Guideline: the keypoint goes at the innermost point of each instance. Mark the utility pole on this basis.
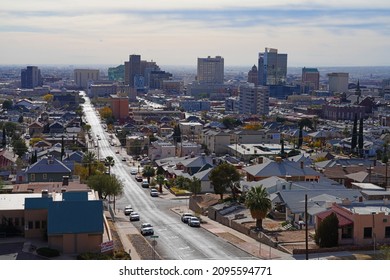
(306, 230)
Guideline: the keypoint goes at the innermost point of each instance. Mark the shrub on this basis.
(48, 252)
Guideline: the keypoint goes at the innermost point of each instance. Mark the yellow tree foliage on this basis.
(253, 126)
(48, 97)
(34, 140)
(105, 112)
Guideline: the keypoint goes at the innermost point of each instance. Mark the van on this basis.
(145, 183)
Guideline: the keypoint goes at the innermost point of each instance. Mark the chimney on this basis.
(346, 201)
(278, 159)
(360, 199)
(65, 180)
(260, 160)
(301, 164)
(45, 193)
(385, 201)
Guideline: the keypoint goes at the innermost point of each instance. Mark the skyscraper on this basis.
(253, 76)
(31, 77)
(210, 70)
(311, 78)
(132, 69)
(338, 82)
(272, 67)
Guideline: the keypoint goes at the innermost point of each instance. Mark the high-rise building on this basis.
(120, 107)
(253, 99)
(272, 67)
(253, 76)
(210, 70)
(338, 82)
(84, 77)
(31, 77)
(311, 78)
(132, 69)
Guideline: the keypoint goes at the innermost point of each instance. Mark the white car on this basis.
(193, 222)
(154, 193)
(134, 216)
(185, 217)
(147, 229)
(128, 209)
(133, 171)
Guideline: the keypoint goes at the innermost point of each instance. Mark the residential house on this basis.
(288, 170)
(48, 169)
(35, 129)
(360, 223)
(56, 128)
(7, 159)
(161, 149)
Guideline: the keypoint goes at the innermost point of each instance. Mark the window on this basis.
(32, 177)
(16, 222)
(37, 224)
(367, 232)
(387, 232)
(346, 232)
(30, 225)
(44, 224)
(44, 176)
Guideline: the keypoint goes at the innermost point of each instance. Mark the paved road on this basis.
(176, 240)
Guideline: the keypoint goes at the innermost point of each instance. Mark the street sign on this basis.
(107, 246)
(154, 236)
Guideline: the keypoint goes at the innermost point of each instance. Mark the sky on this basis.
(314, 33)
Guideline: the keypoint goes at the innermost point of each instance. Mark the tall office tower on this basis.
(146, 68)
(253, 76)
(253, 99)
(338, 82)
(84, 77)
(311, 78)
(272, 67)
(133, 70)
(31, 77)
(210, 70)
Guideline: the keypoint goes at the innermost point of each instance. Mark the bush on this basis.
(117, 255)
(48, 252)
(327, 232)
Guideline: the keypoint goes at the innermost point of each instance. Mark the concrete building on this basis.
(342, 112)
(338, 82)
(311, 78)
(84, 77)
(191, 130)
(272, 67)
(132, 69)
(210, 70)
(195, 105)
(253, 76)
(31, 77)
(253, 99)
(160, 149)
(120, 107)
(186, 148)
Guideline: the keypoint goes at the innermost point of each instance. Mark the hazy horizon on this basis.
(314, 33)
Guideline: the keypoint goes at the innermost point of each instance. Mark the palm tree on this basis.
(259, 204)
(89, 159)
(160, 179)
(110, 162)
(194, 186)
(148, 172)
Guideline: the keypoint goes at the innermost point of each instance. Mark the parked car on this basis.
(128, 209)
(133, 172)
(193, 222)
(154, 193)
(145, 183)
(139, 177)
(134, 216)
(147, 229)
(145, 162)
(185, 217)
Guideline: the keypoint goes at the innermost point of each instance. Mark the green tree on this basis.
(19, 147)
(360, 138)
(7, 104)
(327, 232)
(160, 179)
(223, 177)
(21, 119)
(181, 182)
(109, 162)
(259, 204)
(176, 134)
(194, 186)
(148, 172)
(105, 185)
(89, 160)
(354, 135)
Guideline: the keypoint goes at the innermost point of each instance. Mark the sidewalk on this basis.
(238, 239)
(124, 228)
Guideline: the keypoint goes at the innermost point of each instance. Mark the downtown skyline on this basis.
(171, 32)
